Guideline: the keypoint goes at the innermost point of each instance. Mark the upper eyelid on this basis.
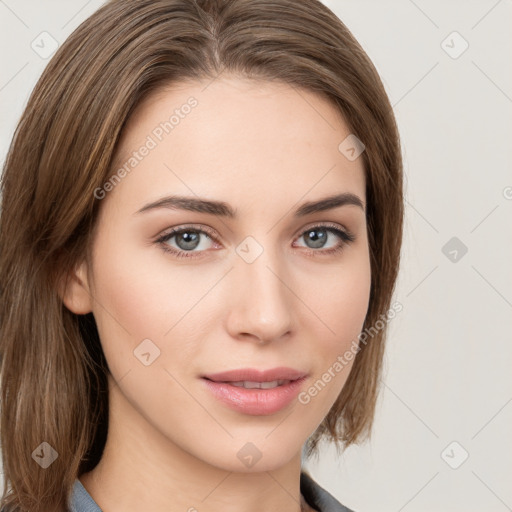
(212, 232)
(172, 231)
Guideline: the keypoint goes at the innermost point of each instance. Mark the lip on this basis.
(255, 375)
(257, 402)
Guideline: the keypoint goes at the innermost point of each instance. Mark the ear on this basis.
(74, 290)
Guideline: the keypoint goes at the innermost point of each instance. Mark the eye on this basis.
(190, 238)
(187, 239)
(316, 237)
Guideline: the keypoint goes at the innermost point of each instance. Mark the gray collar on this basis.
(315, 496)
(319, 498)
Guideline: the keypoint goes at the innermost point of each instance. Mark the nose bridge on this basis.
(261, 303)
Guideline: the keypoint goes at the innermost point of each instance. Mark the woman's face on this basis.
(253, 281)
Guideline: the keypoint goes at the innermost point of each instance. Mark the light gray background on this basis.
(448, 361)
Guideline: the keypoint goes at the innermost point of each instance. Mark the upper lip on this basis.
(255, 375)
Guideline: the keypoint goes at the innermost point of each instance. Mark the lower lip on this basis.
(255, 401)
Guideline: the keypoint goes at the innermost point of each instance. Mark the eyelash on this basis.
(345, 236)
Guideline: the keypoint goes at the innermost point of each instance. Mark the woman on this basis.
(201, 223)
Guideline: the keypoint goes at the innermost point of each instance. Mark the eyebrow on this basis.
(222, 209)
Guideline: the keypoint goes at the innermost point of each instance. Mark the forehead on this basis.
(258, 139)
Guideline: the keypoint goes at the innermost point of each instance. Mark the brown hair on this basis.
(53, 371)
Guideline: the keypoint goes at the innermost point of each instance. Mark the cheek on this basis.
(341, 299)
(349, 304)
(140, 296)
(342, 305)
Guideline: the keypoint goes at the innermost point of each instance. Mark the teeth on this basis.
(259, 385)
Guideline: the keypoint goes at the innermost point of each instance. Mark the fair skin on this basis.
(265, 150)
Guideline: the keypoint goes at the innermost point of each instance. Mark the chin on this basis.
(246, 456)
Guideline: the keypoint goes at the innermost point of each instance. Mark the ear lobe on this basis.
(74, 291)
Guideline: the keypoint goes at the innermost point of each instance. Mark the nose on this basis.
(261, 301)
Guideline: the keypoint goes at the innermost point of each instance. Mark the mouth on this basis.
(256, 392)
(247, 384)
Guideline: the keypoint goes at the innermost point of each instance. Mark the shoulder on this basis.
(319, 498)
